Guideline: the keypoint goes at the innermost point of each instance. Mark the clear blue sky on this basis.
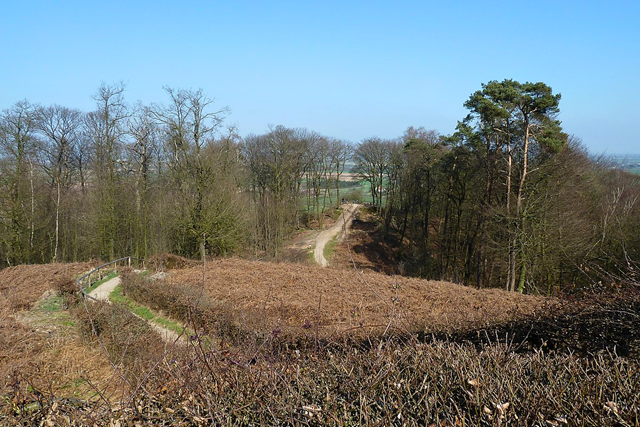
(348, 69)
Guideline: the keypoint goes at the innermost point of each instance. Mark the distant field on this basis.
(351, 189)
(628, 162)
(349, 176)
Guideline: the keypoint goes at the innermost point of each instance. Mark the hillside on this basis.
(300, 297)
(64, 362)
(21, 286)
(41, 349)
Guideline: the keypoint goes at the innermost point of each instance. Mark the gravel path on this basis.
(103, 291)
(348, 210)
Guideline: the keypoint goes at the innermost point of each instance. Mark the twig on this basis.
(318, 322)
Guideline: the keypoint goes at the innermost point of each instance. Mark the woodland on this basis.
(509, 200)
(147, 272)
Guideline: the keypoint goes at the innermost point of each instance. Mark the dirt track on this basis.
(348, 210)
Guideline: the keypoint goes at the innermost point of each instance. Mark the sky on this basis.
(346, 69)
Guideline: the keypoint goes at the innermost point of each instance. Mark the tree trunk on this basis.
(55, 249)
(519, 218)
(33, 211)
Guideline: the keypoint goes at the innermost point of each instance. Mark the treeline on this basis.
(509, 200)
(143, 179)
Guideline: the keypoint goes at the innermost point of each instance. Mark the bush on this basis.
(128, 339)
(388, 383)
(67, 289)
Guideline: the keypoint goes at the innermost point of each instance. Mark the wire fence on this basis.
(98, 273)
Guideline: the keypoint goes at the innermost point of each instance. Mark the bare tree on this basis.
(341, 153)
(189, 124)
(142, 149)
(59, 127)
(17, 152)
(372, 158)
(318, 173)
(106, 126)
(277, 162)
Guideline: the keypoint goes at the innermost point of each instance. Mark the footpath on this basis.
(102, 293)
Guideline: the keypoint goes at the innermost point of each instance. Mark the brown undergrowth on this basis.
(367, 246)
(390, 383)
(42, 354)
(301, 299)
(21, 286)
(395, 378)
(165, 261)
(584, 326)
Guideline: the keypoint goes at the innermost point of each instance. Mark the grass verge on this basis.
(144, 312)
(329, 248)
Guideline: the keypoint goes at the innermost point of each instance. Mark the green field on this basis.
(353, 191)
(628, 162)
